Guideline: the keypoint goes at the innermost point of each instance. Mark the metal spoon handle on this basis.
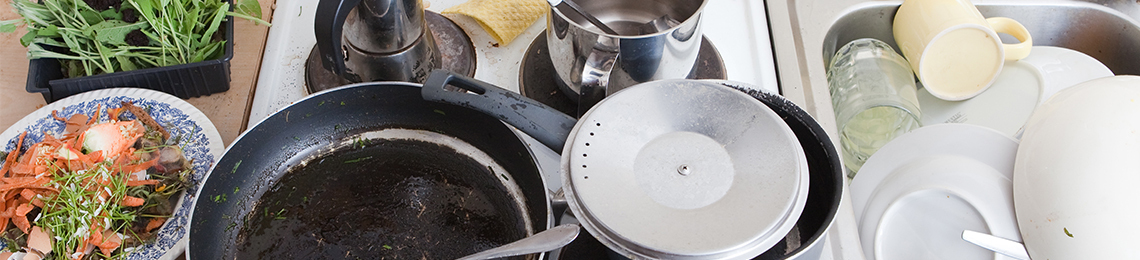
(589, 17)
(548, 240)
(999, 245)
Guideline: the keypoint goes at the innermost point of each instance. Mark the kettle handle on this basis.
(329, 26)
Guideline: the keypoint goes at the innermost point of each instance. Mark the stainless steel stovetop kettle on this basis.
(375, 40)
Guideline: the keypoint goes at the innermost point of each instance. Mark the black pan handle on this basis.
(545, 124)
(329, 26)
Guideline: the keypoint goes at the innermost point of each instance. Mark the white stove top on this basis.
(737, 28)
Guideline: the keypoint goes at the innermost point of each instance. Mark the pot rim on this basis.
(690, 21)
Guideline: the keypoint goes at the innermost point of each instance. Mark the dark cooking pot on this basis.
(367, 209)
(825, 191)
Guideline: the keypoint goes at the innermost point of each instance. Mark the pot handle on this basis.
(596, 73)
(329, 26)
(545, 124)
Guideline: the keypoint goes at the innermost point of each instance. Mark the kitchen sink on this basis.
(806, 33)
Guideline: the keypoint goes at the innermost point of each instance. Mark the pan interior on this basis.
(393, 193)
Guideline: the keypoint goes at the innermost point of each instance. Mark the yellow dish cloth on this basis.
(503, 19)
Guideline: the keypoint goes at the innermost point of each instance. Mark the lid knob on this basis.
(684, 170)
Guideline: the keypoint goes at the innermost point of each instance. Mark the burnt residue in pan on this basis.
(382, 199)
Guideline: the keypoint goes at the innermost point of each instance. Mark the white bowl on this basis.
(1077, 170)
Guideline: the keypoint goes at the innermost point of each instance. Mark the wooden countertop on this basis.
(227, 110)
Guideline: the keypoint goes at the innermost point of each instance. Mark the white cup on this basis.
(956, 52)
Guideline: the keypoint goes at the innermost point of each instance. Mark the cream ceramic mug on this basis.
(956, 52)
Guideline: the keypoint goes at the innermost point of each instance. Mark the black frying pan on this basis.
(243, 203)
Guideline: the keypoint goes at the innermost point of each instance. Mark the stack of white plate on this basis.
(916, 195)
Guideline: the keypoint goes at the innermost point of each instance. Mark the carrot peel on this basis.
(22, 223)
(12, 155)
(154, 224)
(23, 209)
(130, 201)
(109, 243)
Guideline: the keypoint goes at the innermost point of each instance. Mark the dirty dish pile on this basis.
(955, 53)
(917, 194)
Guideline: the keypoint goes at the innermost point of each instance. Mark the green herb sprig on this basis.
(75, 209)
(90, 42)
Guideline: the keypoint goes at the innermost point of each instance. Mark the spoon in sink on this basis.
(999, 245)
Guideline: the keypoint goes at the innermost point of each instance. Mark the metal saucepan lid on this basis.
(673, 169)
(682, 168)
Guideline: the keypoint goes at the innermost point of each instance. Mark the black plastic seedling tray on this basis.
(184, 81)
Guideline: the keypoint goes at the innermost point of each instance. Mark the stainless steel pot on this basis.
(657, 39)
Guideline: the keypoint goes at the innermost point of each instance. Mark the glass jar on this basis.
(873, 93)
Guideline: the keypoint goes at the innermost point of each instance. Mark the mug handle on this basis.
(1005, 25)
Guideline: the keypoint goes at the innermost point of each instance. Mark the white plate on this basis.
(1016, 91)
(913, 197)
(202, 144)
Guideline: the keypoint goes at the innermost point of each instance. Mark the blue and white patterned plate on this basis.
(200, 142)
